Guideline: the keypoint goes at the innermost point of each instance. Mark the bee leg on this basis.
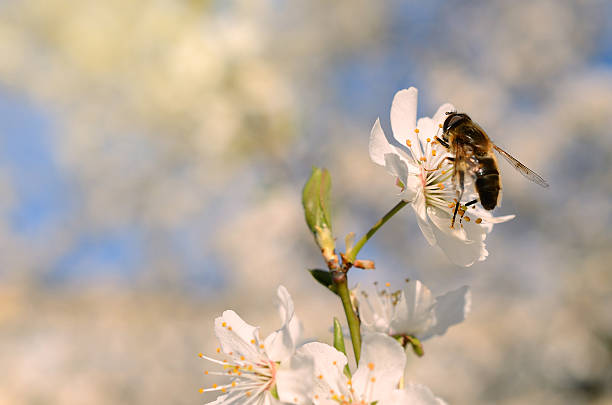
(455, 215)
(460, 176)
(442, 142)
(471, 203)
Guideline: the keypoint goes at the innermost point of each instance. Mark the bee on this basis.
(473, 154)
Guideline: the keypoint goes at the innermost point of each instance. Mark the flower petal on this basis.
(374, 315)
(295, 380)
(413, 394)
(415, 310)
(426, 131)
(280, 345)
(397, 167)
(380, 367)
(328, 365)
(379, 146)
(451, 309)
(403, 119)
(455, 243)
(236, 336)
(420, 209)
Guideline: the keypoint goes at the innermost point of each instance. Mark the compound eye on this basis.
(452, 120)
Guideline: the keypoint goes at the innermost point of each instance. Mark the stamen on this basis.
(416, 130)
(478, 220)
(428, 140)
(434, 152)
(467, 219)
(408, 143)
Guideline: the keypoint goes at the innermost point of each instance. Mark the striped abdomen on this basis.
(487, 181)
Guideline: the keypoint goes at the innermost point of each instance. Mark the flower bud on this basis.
(315, 199)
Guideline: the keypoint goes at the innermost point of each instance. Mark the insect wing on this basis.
(522, 169)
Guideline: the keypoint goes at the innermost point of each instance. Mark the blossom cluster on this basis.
(384, 324)
(278, 370)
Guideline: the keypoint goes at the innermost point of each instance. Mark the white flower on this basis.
(412, 311)
(376, 379)
(256, 366)
(418, 163)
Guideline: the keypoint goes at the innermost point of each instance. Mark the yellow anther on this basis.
(371, 366)
(387, 284)
(200, 354)
(242, 358)
(233, 383)
(440, 125)
(218, 350)
(408, 143)
(229, 328)
(428, 139)
(248, 393)
(214, 385)
(320, 377)
(224, 324)
(441, 187)
(466, 218)
(423, 158)
(478, 220)
(434, 153)
(201, 390)
(416, 130)
(223, 389)
(460, 212)
(373, 379)
(443, 172)
(334, 362)
(252, 341)
(205, 372)
(261, 346)
(451, 205)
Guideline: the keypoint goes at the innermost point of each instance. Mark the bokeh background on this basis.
(152, 155)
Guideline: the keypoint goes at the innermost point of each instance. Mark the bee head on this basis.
(454, 118)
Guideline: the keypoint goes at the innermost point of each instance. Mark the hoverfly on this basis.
(473, 154)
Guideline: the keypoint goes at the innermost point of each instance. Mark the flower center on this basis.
(251, 374)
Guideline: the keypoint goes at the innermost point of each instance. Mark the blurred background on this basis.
(152, 155)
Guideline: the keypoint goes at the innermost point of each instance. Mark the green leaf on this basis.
(339, 343)
(324, 278)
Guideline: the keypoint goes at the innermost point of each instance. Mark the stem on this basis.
(352, 254)
(351, 316)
